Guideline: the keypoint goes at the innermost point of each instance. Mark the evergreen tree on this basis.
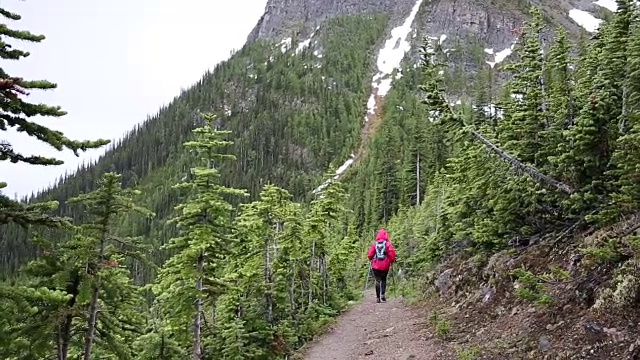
(626, 158)
(114, 302)
(193, 274)
(319, 226)
(525, 116)
(155, 343)
(589, 150)
(561, 102)
(83, 275)
(613, 63)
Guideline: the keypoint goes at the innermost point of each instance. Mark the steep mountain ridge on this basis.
(281, 17)
(485, 19)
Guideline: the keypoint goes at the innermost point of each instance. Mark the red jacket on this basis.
(385, 264)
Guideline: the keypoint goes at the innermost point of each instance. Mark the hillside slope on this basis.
(292, 109)
(511, 265)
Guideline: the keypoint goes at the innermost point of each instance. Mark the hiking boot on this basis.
(377, 300)
(384, 298)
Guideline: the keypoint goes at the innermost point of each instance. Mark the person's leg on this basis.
(378, 275)
(383, 284)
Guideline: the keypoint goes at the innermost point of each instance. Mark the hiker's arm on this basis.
(392, 253)
(372, 251)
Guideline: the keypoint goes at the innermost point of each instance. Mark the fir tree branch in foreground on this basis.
(14, 111)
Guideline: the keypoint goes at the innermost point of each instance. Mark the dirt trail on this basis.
(389, 331)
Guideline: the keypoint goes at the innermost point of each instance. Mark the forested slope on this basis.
(539, 193)
(292, 113)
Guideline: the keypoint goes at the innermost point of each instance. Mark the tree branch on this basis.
(521, 167)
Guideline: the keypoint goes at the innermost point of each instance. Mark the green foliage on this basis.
(531, 287)
(468, 353)
(76, 299)
(14, 109)
(194, 272)
(257, 280)
(561, 117)
(441, 325)
(15, 112)
(608, 252)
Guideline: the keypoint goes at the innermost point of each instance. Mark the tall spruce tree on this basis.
(525, 116)
(561, 102)
(190, 280)
(626, 158)
(101, 251)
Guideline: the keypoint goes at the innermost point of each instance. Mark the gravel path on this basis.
(390, 330)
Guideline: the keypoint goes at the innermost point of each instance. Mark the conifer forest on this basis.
(199, 233)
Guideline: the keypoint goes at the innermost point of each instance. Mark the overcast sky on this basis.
(115, 62)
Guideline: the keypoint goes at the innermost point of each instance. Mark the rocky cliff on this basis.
(493, 24)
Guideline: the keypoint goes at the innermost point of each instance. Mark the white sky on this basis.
(114, 62)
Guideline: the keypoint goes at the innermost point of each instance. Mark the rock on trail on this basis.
(390, 330)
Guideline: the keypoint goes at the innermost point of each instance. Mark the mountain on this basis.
(335, 92)
(306, 75)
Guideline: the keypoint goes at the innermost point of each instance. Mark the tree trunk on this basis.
(93, 319)
(292, 297)
(95, 294)
(64, 331)
(197, 322)
(418, 178)
(325, 280)
(534, 173)
(313, 255)
(268, 296)
(161, 356)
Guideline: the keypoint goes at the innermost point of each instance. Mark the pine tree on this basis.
(388, 192)
(83, 275)
(193, 274)
(236, 343)
(525, 116)
(561, 102)
(156, 342)
(14, 113)
(113, 298)
(626, 158)
(589, 143)
(323, 212)
(613, 64)
(292, 267)
(30, 321)
(265, 220)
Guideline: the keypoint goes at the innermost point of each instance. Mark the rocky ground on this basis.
(548, 299)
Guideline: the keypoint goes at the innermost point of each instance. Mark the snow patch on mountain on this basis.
(584, 19)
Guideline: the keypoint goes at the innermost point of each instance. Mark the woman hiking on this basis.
(382, 254)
